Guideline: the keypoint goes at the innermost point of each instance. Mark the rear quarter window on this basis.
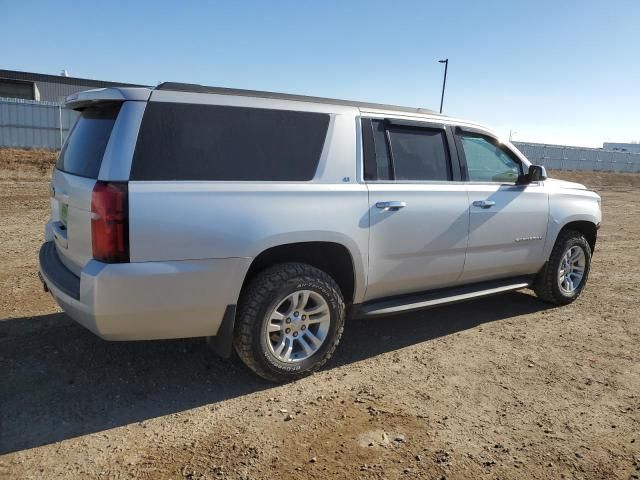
(209, 142)
(83, 151)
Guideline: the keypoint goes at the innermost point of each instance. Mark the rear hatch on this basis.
(73, 181)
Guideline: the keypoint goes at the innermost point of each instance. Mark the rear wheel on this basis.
(564, 276)
(290, 320)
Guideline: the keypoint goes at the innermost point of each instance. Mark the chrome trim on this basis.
(393, 205)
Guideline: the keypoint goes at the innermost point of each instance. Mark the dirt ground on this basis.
(504, 387)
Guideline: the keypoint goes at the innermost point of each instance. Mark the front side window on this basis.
(488, 162)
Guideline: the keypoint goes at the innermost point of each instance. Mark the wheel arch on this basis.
(333, 258)
(343, 263)
(586, 227)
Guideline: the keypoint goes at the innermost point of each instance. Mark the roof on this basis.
(194, 88)
(41, 77)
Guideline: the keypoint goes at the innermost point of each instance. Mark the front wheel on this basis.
(564, 276)
(290, 320)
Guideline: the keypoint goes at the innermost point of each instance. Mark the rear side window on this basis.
(376, 152)
(210, 142)
(419, 154)
(82, 153)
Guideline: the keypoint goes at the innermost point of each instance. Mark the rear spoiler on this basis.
(88, 97)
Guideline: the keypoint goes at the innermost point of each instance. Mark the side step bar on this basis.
(433, 298)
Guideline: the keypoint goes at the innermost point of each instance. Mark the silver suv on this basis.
(261, 221)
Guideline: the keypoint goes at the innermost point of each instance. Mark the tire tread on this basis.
(545, 285)
(260, 291)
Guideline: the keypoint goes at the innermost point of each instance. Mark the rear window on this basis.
(82, 153)
(210, 142)
(419, 154)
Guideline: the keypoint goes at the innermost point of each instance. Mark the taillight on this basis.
(110, 222)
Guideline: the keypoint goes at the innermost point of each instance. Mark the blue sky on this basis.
(560, 71)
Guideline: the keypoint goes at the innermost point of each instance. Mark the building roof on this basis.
(194, 88)
(41, 77)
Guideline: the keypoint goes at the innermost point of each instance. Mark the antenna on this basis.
(444, 82)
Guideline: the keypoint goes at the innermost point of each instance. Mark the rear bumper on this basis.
(64, 279)
(147, 300)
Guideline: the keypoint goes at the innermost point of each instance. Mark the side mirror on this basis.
(536, 173)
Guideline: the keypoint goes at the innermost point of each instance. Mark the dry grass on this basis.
(17, 163)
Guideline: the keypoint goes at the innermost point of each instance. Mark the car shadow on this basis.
(365, 338)
(59, 381)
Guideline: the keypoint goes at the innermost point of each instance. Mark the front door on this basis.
(418, 214)
(508, 222)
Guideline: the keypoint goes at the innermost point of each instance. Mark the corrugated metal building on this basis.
(48, 88)
(32, 114)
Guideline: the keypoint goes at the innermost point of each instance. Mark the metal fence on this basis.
(33, 124)
(577, 158)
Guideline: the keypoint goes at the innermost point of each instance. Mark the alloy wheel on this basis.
(298, 326)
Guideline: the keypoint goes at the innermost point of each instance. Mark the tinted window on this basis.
(368, 150)
(383, 160)
(205, 142)
(419, 154)
(83, 151)
(377, 162)
(487, 162)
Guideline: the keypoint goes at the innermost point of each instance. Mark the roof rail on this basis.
(195, 88)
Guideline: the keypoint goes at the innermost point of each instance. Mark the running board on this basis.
(407, 303)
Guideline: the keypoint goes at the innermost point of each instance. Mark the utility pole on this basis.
(444, 82)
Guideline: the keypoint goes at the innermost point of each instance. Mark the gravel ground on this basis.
(505, 387)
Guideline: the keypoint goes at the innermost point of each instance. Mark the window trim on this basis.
(460, 131)
(454, 168)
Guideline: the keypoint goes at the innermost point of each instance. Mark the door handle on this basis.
(393, 206)
(484, 203)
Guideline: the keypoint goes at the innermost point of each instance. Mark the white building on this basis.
(621, 147)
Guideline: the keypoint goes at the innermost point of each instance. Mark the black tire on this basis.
(261, 296)
(547, 286)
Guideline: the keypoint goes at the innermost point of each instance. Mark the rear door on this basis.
(418, 207)
(508, 222)
(74, 177)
